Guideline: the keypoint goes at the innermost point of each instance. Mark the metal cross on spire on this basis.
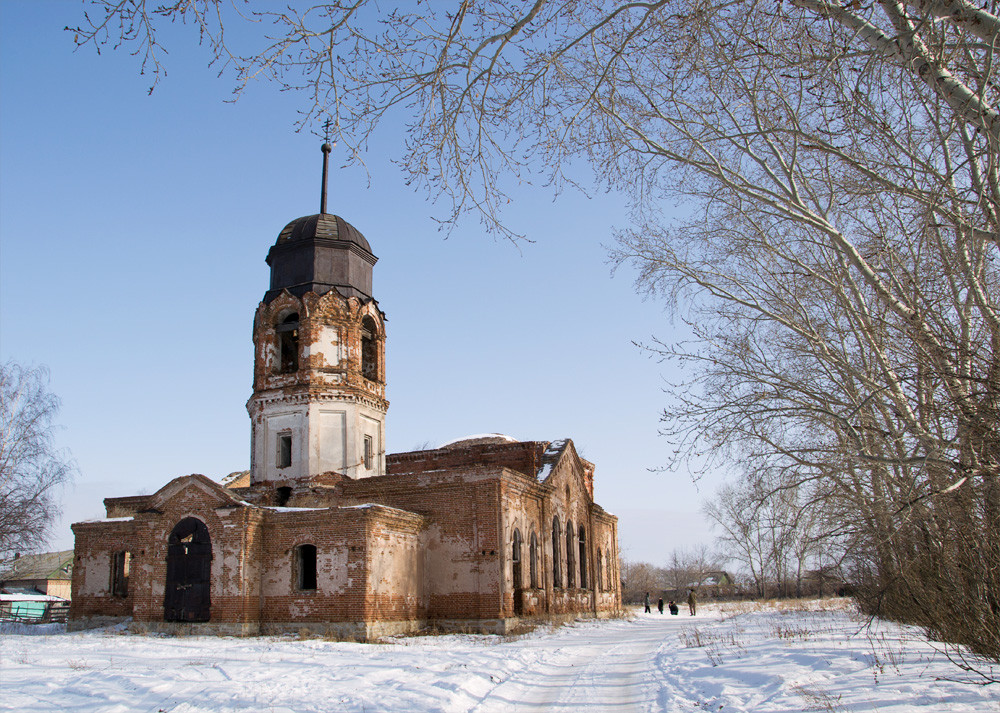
(326, 149)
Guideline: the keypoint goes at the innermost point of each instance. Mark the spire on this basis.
(326, 149)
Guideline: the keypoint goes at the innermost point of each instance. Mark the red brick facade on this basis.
(327, 532)
(432, 543)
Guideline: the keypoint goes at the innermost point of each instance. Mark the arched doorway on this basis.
(189, 572)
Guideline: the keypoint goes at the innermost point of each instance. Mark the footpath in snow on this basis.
(729, 659)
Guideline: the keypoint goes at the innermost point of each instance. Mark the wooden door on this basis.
(189, 572)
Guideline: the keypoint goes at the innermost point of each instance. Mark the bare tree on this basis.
(31, 467)
(836, 257)
(639, 578)
(687, 568)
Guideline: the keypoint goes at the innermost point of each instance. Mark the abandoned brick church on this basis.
(326, 532)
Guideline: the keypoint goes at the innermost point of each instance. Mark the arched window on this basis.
(305, 567)
(288, 344)
(582, 541)
(515, 558)
(600, 572)
(369, 349)
(556, 547)
(570, 556)
(533, 561)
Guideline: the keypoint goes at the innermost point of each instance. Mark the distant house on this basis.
(714, 585)
(48, 573)
(36, 588)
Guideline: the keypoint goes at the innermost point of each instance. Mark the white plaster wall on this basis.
(327, 345)
(327, 445)
(96, 574)
(331, 572)
(449, 568)
(265, 443)
(325, 436)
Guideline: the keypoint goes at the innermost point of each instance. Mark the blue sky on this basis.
(133, 231)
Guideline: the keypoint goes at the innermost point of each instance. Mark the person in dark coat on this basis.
(674, 609)
(692, 602)
(647, 603)
(659, 605)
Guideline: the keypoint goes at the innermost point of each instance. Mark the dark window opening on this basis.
(282, 495)
(305, 556)
(120, 562)
(582, 539)
(288, 344)
(369, 349)
(556, 544)
(369, 452)
(570, 556)
(515, 558)
(600, 572)
(284, 450)
(533, 562)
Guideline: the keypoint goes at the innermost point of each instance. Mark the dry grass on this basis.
(818, 700)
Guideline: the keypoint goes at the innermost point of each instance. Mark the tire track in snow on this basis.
(615, 669)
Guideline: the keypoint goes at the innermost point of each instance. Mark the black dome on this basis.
(322, 225)
(317, 253)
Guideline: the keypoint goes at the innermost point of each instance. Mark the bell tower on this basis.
(318, 402)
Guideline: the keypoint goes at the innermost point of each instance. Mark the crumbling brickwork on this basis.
(327, 533)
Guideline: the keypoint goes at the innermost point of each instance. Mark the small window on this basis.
(120, 562)
(288, 344)
(369, 349)
(284, 449)
(369, 452)
(305, 561)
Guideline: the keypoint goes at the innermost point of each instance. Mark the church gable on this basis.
(191, 492)
(562, 468)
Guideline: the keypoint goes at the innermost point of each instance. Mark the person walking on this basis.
(692, 602)
(659, 605)
(647, 603)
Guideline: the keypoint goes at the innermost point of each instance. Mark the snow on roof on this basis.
(46, 565)
(478, 439)
(111, 519)
(549, 458)
(30, 598)
(283, 508)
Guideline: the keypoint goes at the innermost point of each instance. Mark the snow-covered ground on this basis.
(728, 659)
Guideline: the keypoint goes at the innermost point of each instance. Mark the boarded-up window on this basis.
(120, 562)
(305, 565)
